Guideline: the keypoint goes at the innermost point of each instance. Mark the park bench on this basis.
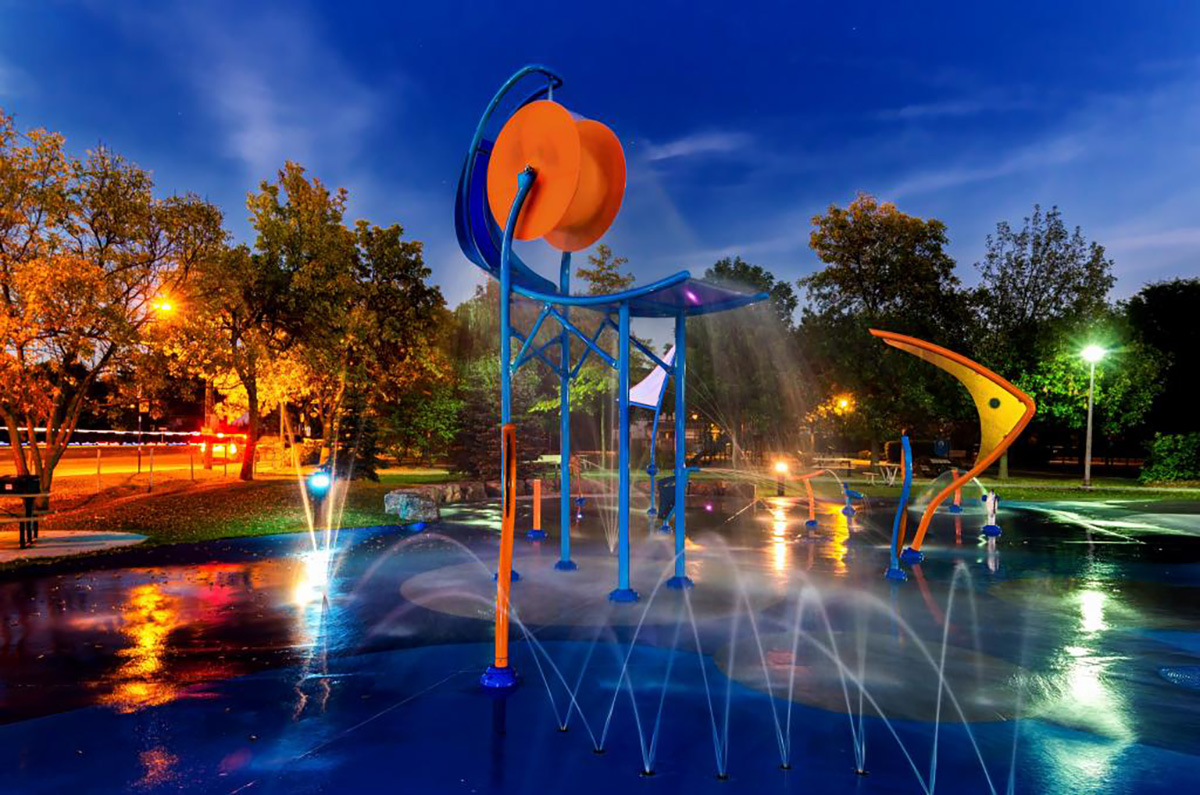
(26, 488)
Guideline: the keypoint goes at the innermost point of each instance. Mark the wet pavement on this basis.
(1070, 651)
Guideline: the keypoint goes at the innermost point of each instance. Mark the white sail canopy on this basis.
(648, 393)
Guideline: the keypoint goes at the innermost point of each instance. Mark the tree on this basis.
(422, 421)
(357, 454)
(883, 268)
(879, 263)
(736, 272)
(476, 449)
(1161, 315)
(604, 275)
(85, 250)
(1036, 284)
(743, 371)
(1127, 381)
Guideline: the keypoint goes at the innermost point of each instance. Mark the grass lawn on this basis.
(224, 509)
(181, 511)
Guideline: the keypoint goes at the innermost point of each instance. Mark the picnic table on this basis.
(26, 488)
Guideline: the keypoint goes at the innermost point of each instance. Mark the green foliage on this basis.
(357, 453)
(736, 272)
(476, 448)
(604, 275)
(884, 269)
(743, 367)
(593, 385)
(1161, 314)
(1173, 457)
(1127, 381)
(879, 262)
(1036, 285)
(422, 422)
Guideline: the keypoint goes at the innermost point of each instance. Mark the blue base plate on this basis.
(499, 678)
(991, 530)
(623, 595)
(910, 555)
(536, 535)
(681, 583)
(566, 565)
(895, 574)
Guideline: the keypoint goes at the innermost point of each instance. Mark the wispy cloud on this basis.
(706, 143)
(275, 87)
(1054, 152)
(952, 108)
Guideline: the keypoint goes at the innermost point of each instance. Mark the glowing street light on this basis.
(1091, 354)
(781, 470)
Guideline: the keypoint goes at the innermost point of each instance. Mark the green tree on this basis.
(476, 448)
(886, 269)
(604, 274)
(1037, 284)
(422, 421)
(736, 272)
(1128, 379)
(743, 369)
(1161, 315)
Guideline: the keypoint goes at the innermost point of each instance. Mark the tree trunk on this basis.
(247, 472)
(14, 441)
(209, 421)
(1004, 465)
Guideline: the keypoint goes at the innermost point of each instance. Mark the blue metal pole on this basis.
(652, 470)
(623, 591)
(564, 391)
(524, 182)
(680, 580)
(894, 572)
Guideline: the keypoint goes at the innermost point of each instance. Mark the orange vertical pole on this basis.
(957, 492)
(537, 504)
(904, 515)
(508, 516)
(812, 507)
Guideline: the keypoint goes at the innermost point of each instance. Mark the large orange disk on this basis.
(580, 175)
(543, 135)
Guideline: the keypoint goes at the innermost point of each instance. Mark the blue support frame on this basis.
(680, 580)
(564, 396)
(678, 296)
(623, 592)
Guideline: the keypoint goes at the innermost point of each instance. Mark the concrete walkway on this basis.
(60, 543)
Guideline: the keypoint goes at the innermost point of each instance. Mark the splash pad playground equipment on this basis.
(552, 175)
(1004, 411)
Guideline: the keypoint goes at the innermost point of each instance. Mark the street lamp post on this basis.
(1091, 354)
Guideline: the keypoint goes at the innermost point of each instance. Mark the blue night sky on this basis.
(739, 120)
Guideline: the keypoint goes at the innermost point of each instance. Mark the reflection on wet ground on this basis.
(1081, 622)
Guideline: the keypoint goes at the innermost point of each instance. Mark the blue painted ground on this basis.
(225, 669)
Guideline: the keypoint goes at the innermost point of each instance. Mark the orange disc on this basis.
(599, 193)
(543, 135)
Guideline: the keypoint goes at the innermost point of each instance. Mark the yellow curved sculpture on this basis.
(1004, 410)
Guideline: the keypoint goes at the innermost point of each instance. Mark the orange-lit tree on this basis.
(86, 249)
